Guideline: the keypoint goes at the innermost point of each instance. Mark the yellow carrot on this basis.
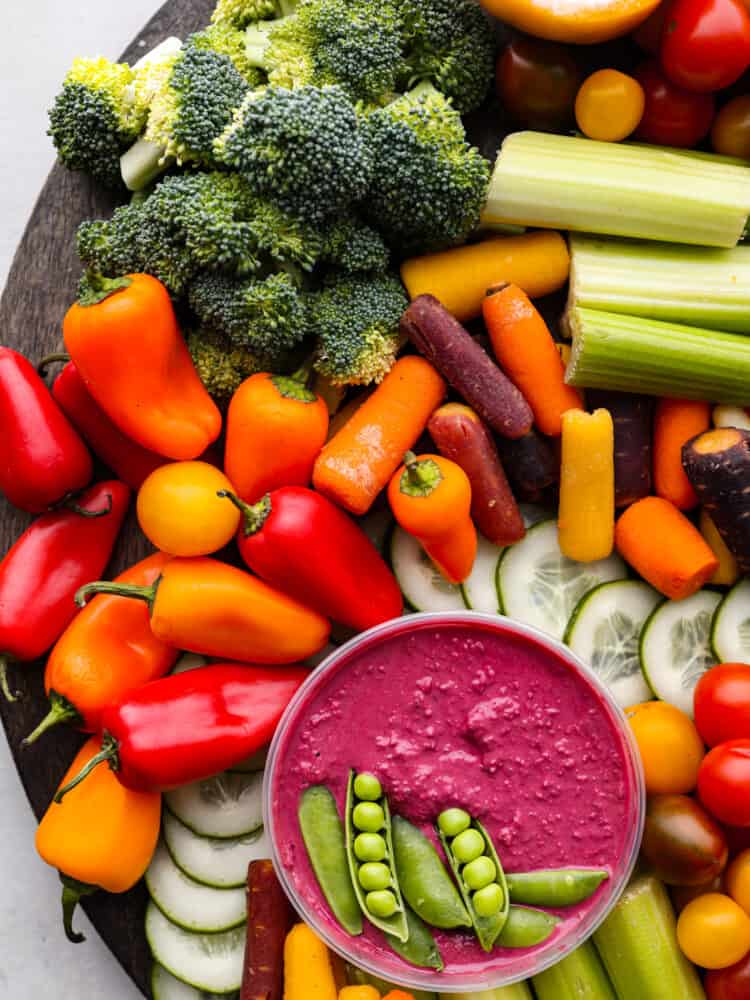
(728, 571)
(537, 262)
(359, 993)
(587, 485)
(308, 971)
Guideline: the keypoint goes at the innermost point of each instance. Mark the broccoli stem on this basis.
(258, 41)
(142, 164)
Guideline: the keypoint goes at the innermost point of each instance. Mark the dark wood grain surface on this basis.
(40, 287)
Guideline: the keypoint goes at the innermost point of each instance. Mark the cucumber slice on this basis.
(730, 631)
(210, 962)
(421, 584)
(228, 805)
(540, 586)
(480, 589)
(164, 986)
(605, 632)
(190, 905)
(676, 649)
(189, 661)
(221, 864)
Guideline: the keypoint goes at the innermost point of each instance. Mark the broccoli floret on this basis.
(357, 322)
(303, 149)
(354, 43)
(450, 43)
(222, 366)
(240, 13)
(95, 117)
(353, 247)
(267, 315)
(226, 40)
(429, 185)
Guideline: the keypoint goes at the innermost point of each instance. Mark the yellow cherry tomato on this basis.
(730, 133)
(609, 105)
(714, 931)
(737, 880)
(180, 513)
(671, 749)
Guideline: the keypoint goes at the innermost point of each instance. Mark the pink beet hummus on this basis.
(472, 714)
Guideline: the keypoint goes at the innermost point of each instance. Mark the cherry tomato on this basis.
(714, 931)
(609, 105)
(648, 35)
(672, 117)
(722, 703)
(732, 983)
(684, 894)
(706, 44)
(730, 134)
(737, 880)
(724, 782)
(738, 838)
(537, 82)
(670, 748)
(682, 842)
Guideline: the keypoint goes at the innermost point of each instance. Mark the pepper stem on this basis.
(73, 892)
(51, 359)
(421, 477)
(109, 754)
(296, 386)
(255, 515)
(147, 594)
(70, 504)
(95, 288)
(4, 682)
(61, 710)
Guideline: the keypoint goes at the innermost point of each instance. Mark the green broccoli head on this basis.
(95, 117)
(357, 322)
(224, 39)
(265, 315)
(221, 365)
(353, 247)
(303, 149)
(240, 13)
(450, 43)
(428, 185)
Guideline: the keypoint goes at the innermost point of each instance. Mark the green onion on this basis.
(697, 286)
(566, 182)
(579, 976)
(631, 354)
(638, 945)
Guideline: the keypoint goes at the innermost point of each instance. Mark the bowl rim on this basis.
(428, 979)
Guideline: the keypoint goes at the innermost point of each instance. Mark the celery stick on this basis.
(631, 354)
(567, 182)
(638, 945)
(518, 991)
(579, 976)
(696, 286)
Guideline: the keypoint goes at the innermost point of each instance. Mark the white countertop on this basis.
(38, 41)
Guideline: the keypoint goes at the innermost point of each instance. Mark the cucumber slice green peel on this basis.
(164, 986)
(479, 591)
(730, 629)
(221, 864)
(224, 807)
(422, 585)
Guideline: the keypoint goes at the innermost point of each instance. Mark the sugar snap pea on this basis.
(384, 908)
(421, 948)
(557, 887)
(426, 885)
(323, 834)
(526, 927)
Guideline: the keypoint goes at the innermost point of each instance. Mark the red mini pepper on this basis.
(301, 543)
(42, 458)
(41, 573)
(189, 726)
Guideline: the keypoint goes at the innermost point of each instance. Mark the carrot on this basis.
(676, 422)
(462, 437)
(359, 993)
(728, 572)
(537, 262)
(666, 549)
(531, 464)
(587, 486)
(308, 974)
(269, 917)
(358, 462)
(398, 995)
(430, 497)
(632, 417)
(527, 352)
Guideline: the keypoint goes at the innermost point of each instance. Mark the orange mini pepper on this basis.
(123, 337)
(102, 836)
(209, 607)
(106, 652)
(430, 497)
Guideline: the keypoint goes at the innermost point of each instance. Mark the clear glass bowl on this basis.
(529, 962)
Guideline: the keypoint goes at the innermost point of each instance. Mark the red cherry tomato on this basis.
(537, 82)
(672, 117)
(706, 44)
(732, 983)
(724, 782)
(722, 703)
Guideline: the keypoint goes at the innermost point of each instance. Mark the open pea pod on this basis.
(394, 925)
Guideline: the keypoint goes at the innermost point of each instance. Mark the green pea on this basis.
(369, 817)
(479, 873)
(374, 875)
(369, 847)
(454, 821)
(367, 787)
(489, 900)
(468, 846)
(381, 903)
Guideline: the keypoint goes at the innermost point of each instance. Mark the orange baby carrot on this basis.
(665, 548)
(430, 497)
(676, 421)
(359, 460)
(529, 356)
